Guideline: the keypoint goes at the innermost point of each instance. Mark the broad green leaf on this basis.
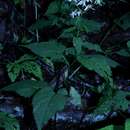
(32, 68)
(107, 128)
(53, 7)
(124, 21)
(95, 63)
(77, 43)
(51, 49)
(76, 98)
(45, 104)
(127, 124)
(13, 71)
(25, 88)
(8, 123)
(100, 64)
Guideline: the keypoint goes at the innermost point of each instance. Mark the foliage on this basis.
(50, 49)
(67, 45)
(8, 123)
(127, 124)
(25, 64)
(116, 102)
(45, 109)
(108, 128)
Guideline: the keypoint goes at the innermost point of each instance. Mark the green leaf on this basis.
(117, 102)
(51, 49)
(32, 68)
(25, 88)
(8, 123)
(76, 98)
(128, 44)
(124, 21)
(77, 43)
(86, 25)
(53, 7)
(107, 128)
(68, 33)
(100, 64)
(40, 24)
(45, 104)
(127, 124)
(92, 46)
(96, 63)
(13, 71)
(123, 52)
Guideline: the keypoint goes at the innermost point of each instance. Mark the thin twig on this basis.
(36, 17)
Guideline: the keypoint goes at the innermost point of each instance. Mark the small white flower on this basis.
(75, 13)
(82, 2)
(88, 7)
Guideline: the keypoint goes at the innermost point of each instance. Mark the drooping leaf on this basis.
(25, 88)
(51, 49)
(124, 21)
(45, 104)
(8, 123)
